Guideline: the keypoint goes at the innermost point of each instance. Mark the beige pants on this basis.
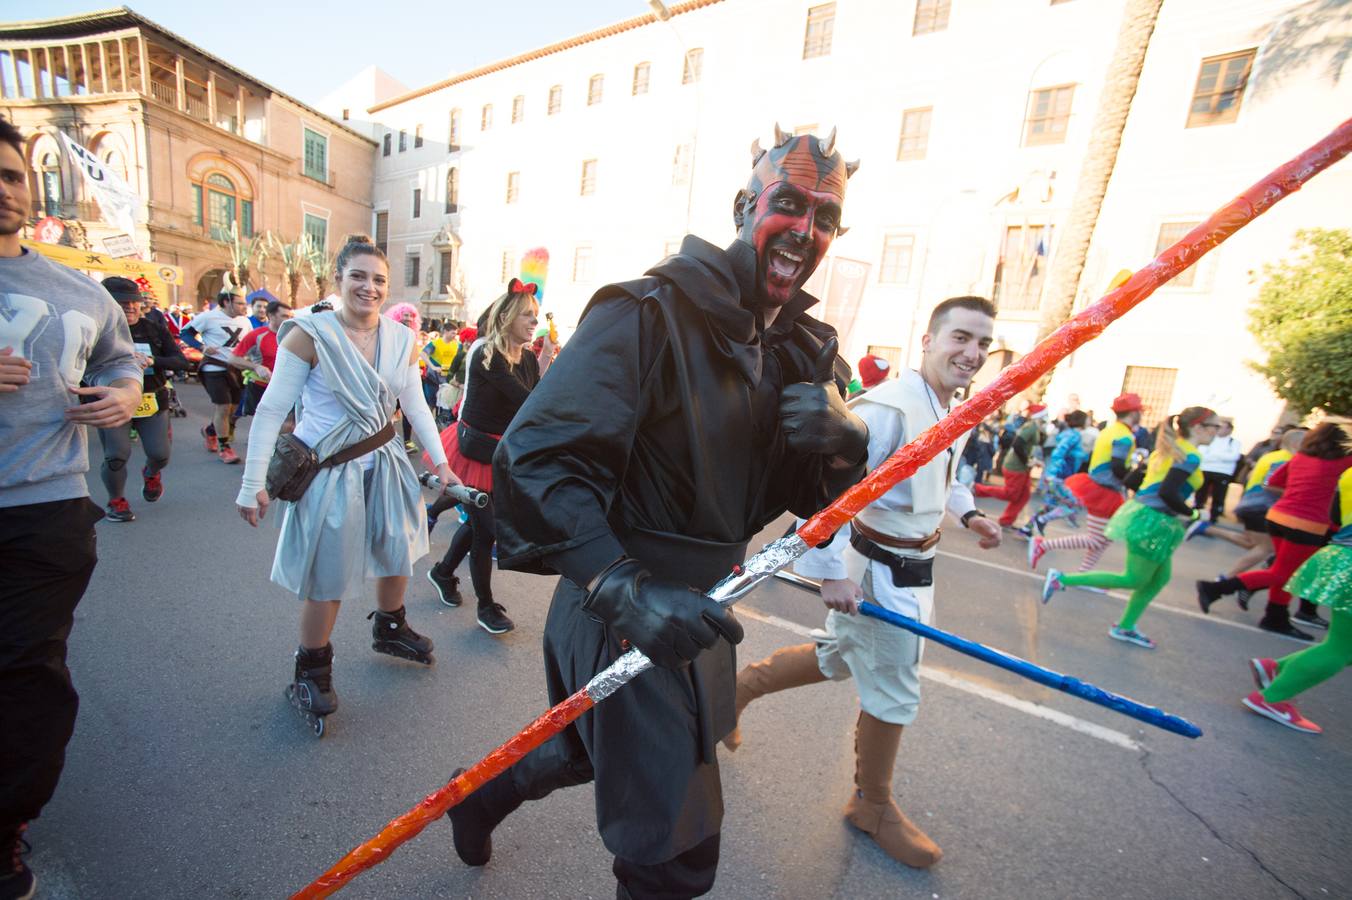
(884, 660)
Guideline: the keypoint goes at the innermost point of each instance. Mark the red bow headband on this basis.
(516, 286)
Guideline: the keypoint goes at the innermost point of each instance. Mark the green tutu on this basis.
(1146, 532)
(1325, 578)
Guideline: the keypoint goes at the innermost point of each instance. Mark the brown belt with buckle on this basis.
(885, 540)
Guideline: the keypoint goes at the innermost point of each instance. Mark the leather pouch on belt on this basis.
(906, 571)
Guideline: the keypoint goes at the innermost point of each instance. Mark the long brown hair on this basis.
(1182, 424)
(1330, 439)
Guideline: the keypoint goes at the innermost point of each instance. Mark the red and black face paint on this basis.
(790, 211)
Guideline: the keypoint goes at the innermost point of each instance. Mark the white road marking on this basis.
(1187, 613)
(950, 679)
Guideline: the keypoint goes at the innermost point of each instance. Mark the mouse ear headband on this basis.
(516, 286)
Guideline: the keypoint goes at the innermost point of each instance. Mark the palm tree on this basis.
(243, 255)
(295, 257)
(1123, 75)
(321, 269)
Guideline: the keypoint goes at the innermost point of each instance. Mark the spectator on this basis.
(1219, 460)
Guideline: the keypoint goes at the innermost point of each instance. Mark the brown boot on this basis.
(871, 808)
(787, 668)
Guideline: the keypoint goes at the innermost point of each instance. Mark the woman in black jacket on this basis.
(500, 373)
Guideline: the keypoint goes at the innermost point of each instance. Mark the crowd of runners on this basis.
(693, 408)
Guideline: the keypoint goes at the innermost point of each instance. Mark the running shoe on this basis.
(1196, 528)
(493, 618)
(210, 437)
(1051, 584)
(1131, 636)
(119, 510)
(17, 881)
(448, 586)
(410, 447)
(1264, 671)
(1208, 592)
(153, 489)
(1037, 548)
(1281, 713)
(1242, 597)
(1038, 524)
(1311, 618)
(228, 456)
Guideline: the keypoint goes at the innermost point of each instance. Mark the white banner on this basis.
(116, 199)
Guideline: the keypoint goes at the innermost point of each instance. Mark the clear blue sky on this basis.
(305, 52)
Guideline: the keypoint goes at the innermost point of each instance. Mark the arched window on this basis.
(452, 190)
(49, 179)
(222, 208)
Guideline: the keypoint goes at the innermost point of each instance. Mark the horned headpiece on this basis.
(806, 160)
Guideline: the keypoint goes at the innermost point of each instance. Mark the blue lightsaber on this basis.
(1068, 684)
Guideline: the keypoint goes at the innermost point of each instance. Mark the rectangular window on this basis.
(317, 229)
(694, 65)
(220, 214)
(513, 186)
(518, 108)
(385, 145)
(412, 269)
(1155, 387)
(316, 156)
(821, 22)
(246, 218)
(197, 204)
(680, 167)
(641, 72)
(347, 113)
(1170, 232)
(403, 140)
(896, 265)
(417, 136)
(486, 117)
(1022, 268)
(582, 264)
(453, 131)
(444, 278)
(595, 87)
(452, 190)
(383, 231)
(915, 126)
(930, 15)
(417, 203)
(588, 177)
(1220, 88)
(555, 99)
(508, 266)
(1048, 115)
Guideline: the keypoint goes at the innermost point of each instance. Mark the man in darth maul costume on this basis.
(692, 408)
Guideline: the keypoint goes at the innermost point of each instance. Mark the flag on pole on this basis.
(117, 201)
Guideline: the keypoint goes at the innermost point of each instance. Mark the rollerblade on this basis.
(312, 691)
(390, 634)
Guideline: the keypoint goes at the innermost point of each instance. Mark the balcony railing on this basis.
(165, 93)
(198, 109)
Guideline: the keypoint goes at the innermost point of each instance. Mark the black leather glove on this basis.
(814, 417)
(671, 623)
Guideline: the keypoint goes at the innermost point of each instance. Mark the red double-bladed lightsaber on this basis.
(1231, 217)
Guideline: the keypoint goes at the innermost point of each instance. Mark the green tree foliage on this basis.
(1302, 318)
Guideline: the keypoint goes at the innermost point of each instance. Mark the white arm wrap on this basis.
(288, 380)
(414, 405)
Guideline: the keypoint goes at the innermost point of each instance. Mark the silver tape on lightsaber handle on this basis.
(773, 556)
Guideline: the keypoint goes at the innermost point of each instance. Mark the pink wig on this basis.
(407, 314)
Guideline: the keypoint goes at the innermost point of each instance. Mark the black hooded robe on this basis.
(655, 435)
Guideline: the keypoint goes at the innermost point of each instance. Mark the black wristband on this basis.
(969, 515)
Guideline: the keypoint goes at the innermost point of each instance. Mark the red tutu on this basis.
(1101, 502)
(475, 474)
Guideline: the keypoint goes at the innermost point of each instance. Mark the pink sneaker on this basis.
(1037, 548)
(1264, 671)
(1281, 713)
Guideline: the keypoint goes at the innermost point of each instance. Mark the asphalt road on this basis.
(190, 776)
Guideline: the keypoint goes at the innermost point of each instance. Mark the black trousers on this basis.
(1214, 487)
(475, 539)
(47, 555)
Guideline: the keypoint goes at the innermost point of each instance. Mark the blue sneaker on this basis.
(1051, 584)
(1196, 528)
(1131, 636)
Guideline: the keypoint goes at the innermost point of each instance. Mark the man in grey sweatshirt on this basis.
(57, 329)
